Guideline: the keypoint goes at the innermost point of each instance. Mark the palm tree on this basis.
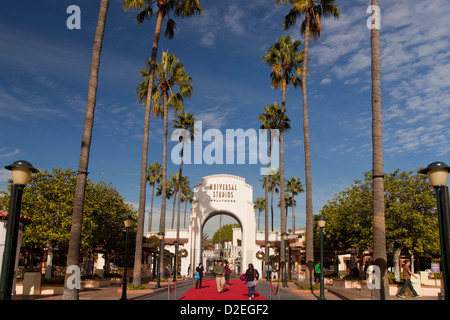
(379, 229)
(169, 75)
(185, 125)
(154, 176)
(180, 8)
(273, 183)
(294, 186)
(271, 120)
(288, 200)
(311, 25)
(78, 204)
(259, 205)
(285, 60)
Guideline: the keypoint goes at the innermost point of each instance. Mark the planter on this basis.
(140, 292)
(303, 291)
(47, 289)
(349, 284)
(31, 283)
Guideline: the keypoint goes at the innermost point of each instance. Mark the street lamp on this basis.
(160, 236)
(284, 236)
(437, 174)
(21, 174)
(128, 222)
(321, 221)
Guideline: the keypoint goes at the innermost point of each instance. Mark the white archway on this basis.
(227, 194)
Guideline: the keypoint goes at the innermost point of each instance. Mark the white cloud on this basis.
(208, 39)
(325, 81)
(4, 152)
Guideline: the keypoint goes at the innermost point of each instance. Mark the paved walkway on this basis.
(114, 292)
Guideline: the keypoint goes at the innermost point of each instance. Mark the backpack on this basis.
(243, 277)
(196, 275)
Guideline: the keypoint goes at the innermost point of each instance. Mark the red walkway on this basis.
(236, 291)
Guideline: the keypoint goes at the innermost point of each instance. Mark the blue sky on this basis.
(45, 68)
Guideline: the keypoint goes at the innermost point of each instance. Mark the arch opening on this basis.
(229, 248)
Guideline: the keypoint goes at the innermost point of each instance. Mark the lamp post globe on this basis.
(437, 173)
(21, 171)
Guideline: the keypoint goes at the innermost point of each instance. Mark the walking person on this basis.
(199, 273)
(251, 276)
(227, 274)
(317, 272)
(219, 270)
(407, 281)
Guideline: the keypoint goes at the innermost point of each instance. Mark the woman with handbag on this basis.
(251, 276)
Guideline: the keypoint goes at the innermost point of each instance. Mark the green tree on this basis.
(313, 10)
(77, 215)
(179, 8)
(411, 217)
(48, 200)
(224, 233)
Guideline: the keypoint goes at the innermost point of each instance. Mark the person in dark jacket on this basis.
(200, 270)
(251, 276)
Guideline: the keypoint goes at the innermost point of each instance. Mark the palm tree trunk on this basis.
(259, 216)
(379, 230)
(185, 208)
(151, 209)
(271, 204)
(173, 206)
(143, 183)
(293, 216)
(283, 212)
(308, 183)
(266, 204)
(77, 215)
(162, 220)
(179, 196)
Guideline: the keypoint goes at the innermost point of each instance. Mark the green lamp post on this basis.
(160, 236)
(128, 222)
(437, 174)
(21, 174)
(321, 221)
